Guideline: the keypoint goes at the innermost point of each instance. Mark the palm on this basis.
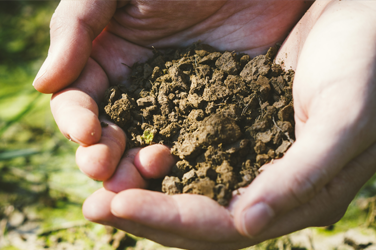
(226, 25)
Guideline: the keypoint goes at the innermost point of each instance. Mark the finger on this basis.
(74, 25)
(75, 109)
(99, 161)
(298, 177)
(97, 209)
(138, 165)
(96, 206)
(126, 175)
(331, 203)
(154, 161)
(192, 216)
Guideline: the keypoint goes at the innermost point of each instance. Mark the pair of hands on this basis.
(333, 50)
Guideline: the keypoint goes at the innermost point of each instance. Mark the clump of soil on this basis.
(223, 114)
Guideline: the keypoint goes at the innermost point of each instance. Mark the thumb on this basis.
(73, 27)
(317, 156)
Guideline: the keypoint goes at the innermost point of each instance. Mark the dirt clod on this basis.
(223, 114)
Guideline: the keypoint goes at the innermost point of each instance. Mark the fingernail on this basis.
(256, 218)
(72, 139)
(42, 70)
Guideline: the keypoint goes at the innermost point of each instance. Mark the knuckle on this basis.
(306, 185)
(61, 24)
(302, 188)
(57, 23)
(85, 28)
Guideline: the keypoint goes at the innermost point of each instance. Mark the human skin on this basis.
(333, 51)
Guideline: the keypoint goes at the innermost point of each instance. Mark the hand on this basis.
(312, 185)
(84, 58)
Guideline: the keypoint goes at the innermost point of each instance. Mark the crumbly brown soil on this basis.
(223, 114)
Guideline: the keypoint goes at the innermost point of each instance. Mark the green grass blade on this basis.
(20, 115)
(10, 154)
(6, 95)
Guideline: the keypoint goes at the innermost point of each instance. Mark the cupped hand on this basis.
(333, 50)
(92, 41)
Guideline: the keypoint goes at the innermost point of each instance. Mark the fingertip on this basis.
(96, 207)
(95, 161)
(117, 206)
(130, 204)
(76, 115)
(62, 66)
(154, 161)
(38, 81)
(123, 203)
(126, 176)
(47, 84)
(99, 161)
(83, 128)
(38, 87)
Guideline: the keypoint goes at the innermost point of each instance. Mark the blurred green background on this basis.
(42, 190)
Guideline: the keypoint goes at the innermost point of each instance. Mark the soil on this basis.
(223, 114)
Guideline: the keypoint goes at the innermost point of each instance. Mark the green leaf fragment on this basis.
(147, 137)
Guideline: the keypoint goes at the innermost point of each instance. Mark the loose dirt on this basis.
(224, 115)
